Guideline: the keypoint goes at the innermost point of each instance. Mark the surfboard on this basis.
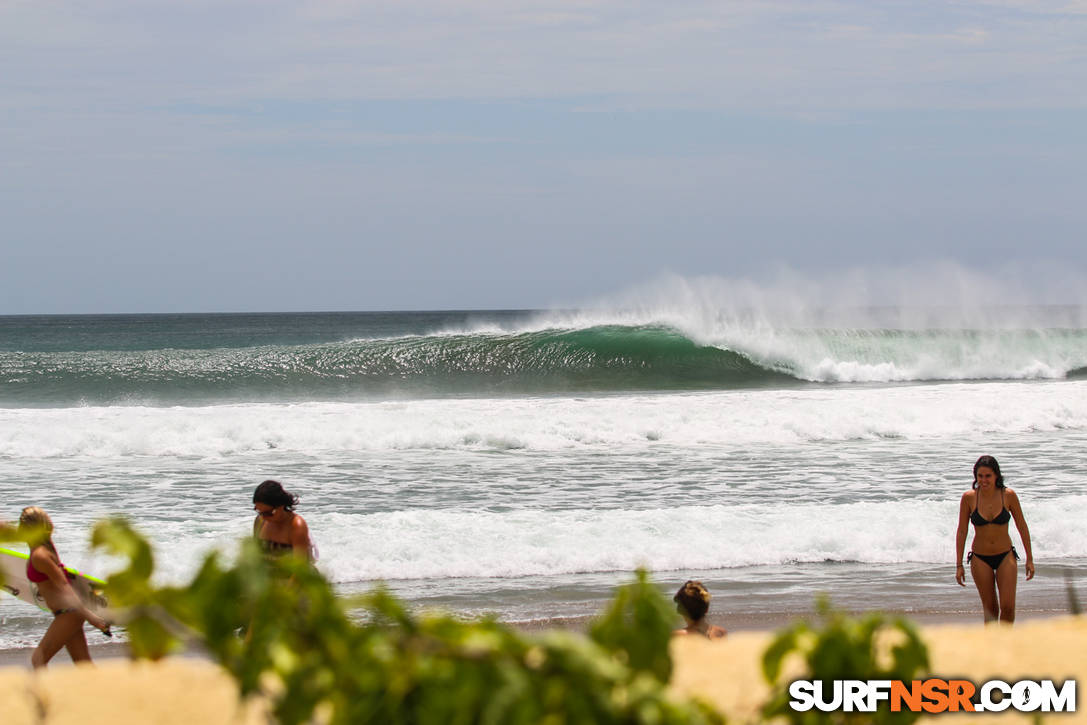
(16, 583)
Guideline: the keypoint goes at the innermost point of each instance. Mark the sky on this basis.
(422, 154)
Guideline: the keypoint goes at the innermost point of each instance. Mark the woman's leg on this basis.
(985, 581)
(1006, 575)
(77, 647)
(60, 632)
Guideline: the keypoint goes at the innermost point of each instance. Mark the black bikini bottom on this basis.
(993, 560)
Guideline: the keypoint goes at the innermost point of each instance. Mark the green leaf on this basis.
(783, 643)
(119, 538)
(842, 648)
(637, 627)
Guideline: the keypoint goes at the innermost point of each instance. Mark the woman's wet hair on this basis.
(692, 600)
(271, 493)
(990, 463)
(35, 525)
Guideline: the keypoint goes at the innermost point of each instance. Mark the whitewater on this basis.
(524, 462)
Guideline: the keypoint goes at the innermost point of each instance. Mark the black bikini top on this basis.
(1001, 518)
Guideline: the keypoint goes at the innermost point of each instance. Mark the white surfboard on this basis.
(16, 583)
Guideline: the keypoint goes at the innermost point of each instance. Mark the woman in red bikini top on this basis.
(44, 569)
(989, 506)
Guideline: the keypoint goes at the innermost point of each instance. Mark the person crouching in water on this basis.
(54, 585)
(692, 602)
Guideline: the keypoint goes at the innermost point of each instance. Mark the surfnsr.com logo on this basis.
(932, 695)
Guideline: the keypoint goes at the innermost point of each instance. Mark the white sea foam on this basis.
(430, 544)
(435, 544)
(626, 422)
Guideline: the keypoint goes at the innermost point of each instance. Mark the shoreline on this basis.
(763, 623)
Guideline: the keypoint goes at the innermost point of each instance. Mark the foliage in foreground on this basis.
(301, 650)
(7, 534)
(843, 648)
(10, 534)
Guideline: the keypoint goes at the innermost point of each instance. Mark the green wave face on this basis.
(606, 358)
(601, 358)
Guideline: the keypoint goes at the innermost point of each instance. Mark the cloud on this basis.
(540, 145)
(773, 56)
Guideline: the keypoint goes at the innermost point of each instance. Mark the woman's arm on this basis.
(1024, 533)
(300, 543)
(44, 562)
(960, 537)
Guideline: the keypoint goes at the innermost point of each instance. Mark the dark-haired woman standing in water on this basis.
(277, 528)
(989, 506)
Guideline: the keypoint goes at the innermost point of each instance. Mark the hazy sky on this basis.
(266, 155)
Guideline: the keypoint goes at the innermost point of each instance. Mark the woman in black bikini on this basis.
(989, 506)
(277, 528)
(69, 613)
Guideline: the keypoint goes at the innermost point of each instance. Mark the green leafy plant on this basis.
(637, 626)
(10, 534)
(843, 648)
(279, 628)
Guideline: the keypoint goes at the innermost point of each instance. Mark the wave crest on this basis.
(600, 357)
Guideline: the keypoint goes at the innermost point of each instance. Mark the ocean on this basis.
(522, 463)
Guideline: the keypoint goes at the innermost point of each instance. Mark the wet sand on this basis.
(734, 623)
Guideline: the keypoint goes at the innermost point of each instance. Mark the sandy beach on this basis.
(725, 673)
